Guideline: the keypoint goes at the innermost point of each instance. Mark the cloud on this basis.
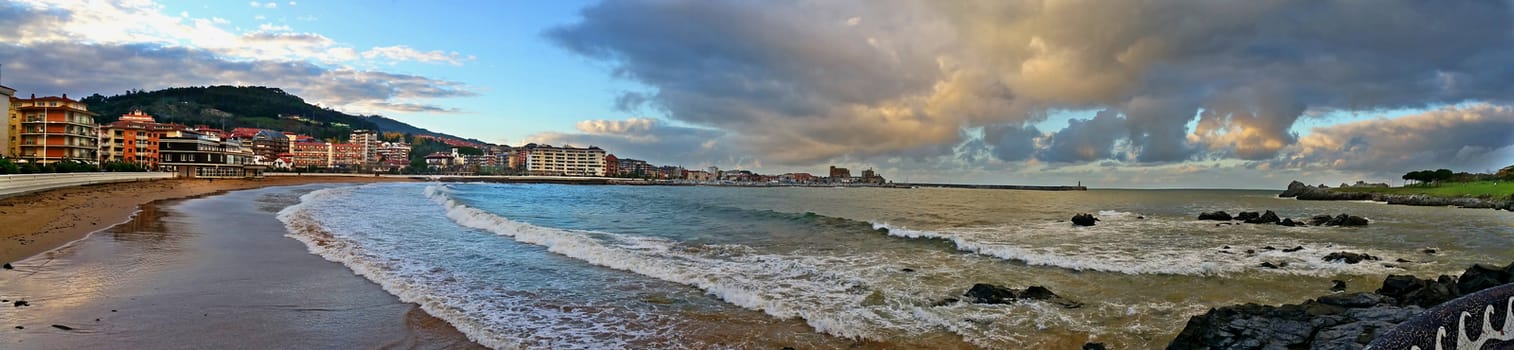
(405, 53)
(649, 139)
(55, 47)
(1470, 138)
(806, 82)
(266, 5)
(60, 68)
(100, 23)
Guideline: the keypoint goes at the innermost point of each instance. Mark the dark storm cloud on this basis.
(81, 69)
(1084, 140)
(1011, 142)
(860, 79)
(1472, 138)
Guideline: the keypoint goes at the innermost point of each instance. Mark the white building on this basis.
(563, 161)
(370, 141)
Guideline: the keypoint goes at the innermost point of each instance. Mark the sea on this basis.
(672, 267)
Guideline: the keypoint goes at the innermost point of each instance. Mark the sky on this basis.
(1133, 94)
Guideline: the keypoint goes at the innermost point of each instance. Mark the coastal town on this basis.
(60, 132)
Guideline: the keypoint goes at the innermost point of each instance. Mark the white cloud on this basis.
(405, 53)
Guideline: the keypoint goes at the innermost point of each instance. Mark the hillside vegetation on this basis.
(228, 107)
(1481, 189)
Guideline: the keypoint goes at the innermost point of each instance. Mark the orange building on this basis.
(55, 129)
(133, 139)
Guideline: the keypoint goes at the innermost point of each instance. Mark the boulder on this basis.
(1287, 222)
(1265, 218)
(1294, 249)
(1247, 216)
(1094, 346)
(1268, 265)
(20, 303)
(1294, 189)
(1349, 257)
(8, 266)
(1346, 220)
(1479, 277)
(1340, 321)
(1084, 219)
(1318, 220)
(66, 328)
(1337, 285)
(1216, 216)
(983, 293)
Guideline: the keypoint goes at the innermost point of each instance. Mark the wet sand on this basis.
(211, 272)
(38, 222)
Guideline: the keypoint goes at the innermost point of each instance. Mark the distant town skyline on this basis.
(1157, 94)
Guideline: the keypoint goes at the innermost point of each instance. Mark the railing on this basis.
(11, 185)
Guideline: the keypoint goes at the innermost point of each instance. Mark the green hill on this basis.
(228, 107)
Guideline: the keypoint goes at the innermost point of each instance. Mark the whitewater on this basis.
(523, 266)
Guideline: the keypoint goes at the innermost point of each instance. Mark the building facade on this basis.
(53, 129)
(269, 145)
(134, 139)
(196, 155)
(348, 155)
(8, 132)
(393, 155)
(310, 154)
(369, 140)
(546, 160)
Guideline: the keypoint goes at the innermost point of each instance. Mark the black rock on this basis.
(1226, 247)
(907, 269)
(20, 303)
(1094, 346)
(1084, 219)
(1294, 189)
(1140, 217)
(8, 266)
(1480, 277)
(1318, 220)
(1268, 265)
(1294, 249)
(1249, 251)
(1287, 222)
(1266, 218)
(1247, 215)
(1337, 285)
(1352, 300)
(66, 328)
(983, 293)
(20, 327)
(1430, 251)
(1268, 248)
(1346, 220)
(788, 348)
(1217, 216)
(1348, 257)
(1402, 260)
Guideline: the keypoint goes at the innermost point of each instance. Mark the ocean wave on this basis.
(1155, 258)
(746, 280)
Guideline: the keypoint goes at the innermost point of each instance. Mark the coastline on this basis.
(43, 221)
(206, 272)
(1304, 192)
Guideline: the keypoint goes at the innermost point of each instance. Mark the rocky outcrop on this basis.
(1346, 220)
(1084, 219)
(1321, 193)
(1247, 216)
(1294, 189)
(983, 293)
(1336, 321)
(1349, 257)
(1216, 216)
(1266, 218)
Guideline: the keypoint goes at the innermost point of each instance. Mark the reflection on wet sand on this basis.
(205, 273)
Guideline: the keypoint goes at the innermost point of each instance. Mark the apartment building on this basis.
(563, 161)
(53, 129)
(311, 154)
(369, 140)
(134, 139)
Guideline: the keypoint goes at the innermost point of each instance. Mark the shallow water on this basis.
(708, 267)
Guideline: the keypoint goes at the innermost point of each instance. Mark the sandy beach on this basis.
(206, 272)
(38, 222)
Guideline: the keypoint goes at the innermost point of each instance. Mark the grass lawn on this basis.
(1503, 189)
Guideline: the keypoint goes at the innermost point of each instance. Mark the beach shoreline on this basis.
(43, 221)
(181, 271)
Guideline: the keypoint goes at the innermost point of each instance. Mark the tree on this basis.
(1443, 175)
